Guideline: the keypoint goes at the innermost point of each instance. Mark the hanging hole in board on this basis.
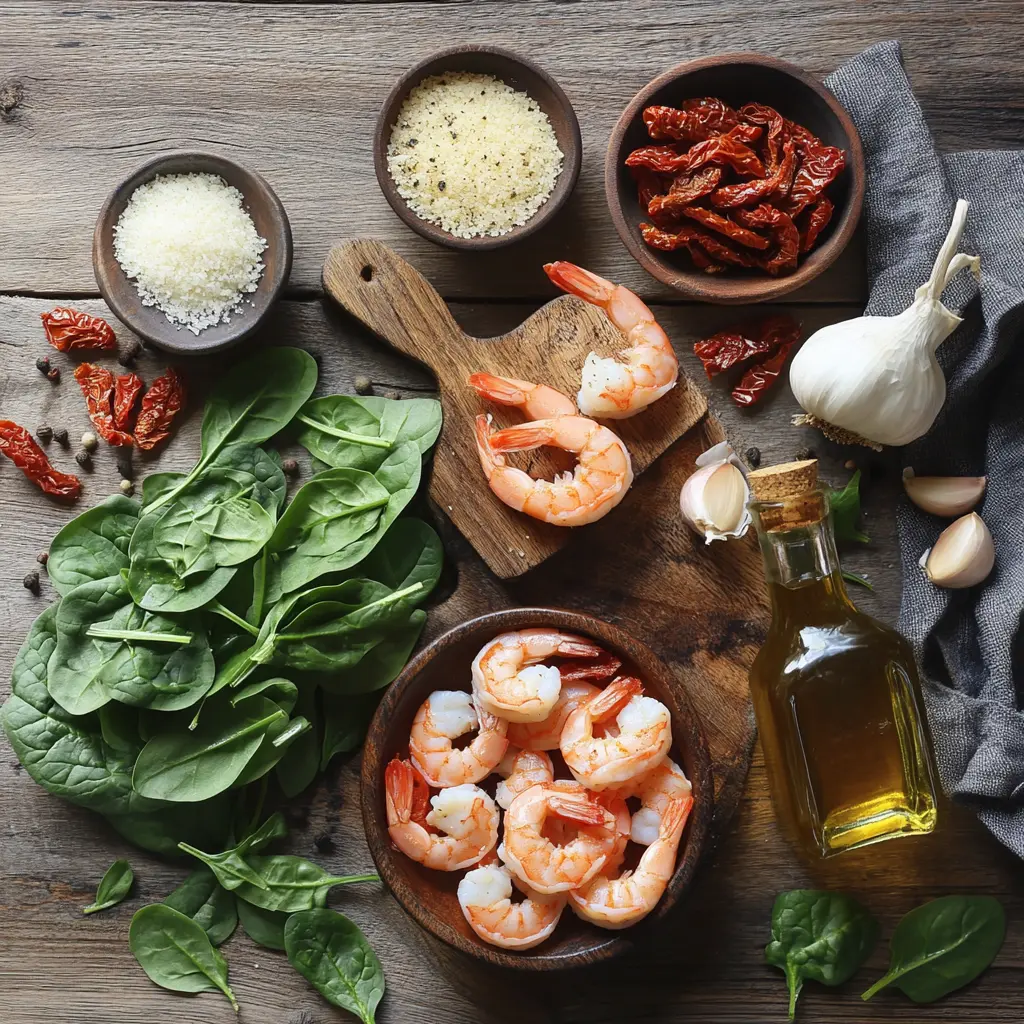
(366, 273)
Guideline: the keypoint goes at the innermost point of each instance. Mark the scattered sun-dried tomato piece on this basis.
(71, 330)
(97, 384)
(761, 376)
(127, 388)
(17, 444)
(160, 405)
(736, 346)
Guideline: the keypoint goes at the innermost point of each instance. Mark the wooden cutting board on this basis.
(395, 302)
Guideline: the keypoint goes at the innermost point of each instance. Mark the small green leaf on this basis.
(292, 883)
(845, 505)
(114, 886)
(264, 927)
(201, 898)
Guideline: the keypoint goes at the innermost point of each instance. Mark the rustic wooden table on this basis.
(89, 90)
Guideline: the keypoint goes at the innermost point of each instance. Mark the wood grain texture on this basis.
(294, 91)
(394, 301)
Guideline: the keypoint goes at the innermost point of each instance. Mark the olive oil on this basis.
(836, 693)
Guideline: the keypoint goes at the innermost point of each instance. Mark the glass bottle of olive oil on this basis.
(836, 693)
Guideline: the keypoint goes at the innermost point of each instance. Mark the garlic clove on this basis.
(944, 495)
(714, 499)
(963, 555)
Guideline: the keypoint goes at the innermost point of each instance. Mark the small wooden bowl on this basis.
(149, 322)
(522, 75)
(737, 78)
(430, 896)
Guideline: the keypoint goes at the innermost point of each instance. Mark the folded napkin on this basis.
(969, 644)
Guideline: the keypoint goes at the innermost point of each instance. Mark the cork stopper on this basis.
(789, 494)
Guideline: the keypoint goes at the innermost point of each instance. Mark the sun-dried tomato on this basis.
(97, 384)
(702, 261)
(756, 190)
(684, 190)
(20, 447)
(725, 150)
(817, 220)
(760, 377)
(70, 330)
(695, 121)
(127, 388)
(739, 345)
(770, 119)
(160, 405)
(784, 232)
(817, 170)
(685, 236)
(724, 226)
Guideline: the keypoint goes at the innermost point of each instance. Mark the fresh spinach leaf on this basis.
(379, 666)
(176, 953)
(119, 727)
(824, 936)
(264, 927)
(195, 765)
(345, 721)
(291, 883)
(845, 506)
(282, 692)
(278, 741)
(85, 671)
(332, 954)
(230, 866)
(213, 908)
(297, 769)
(113, 887)
(942, 945)
(160, 830)
(94, 545)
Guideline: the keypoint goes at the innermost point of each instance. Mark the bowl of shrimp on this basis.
(535, 784)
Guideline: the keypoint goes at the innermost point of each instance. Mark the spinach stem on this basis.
(347, 879)
(139, 635)
(345, 435)
(218, 609)
(296, 728)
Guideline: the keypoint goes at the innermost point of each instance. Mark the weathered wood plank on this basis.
(294, 92)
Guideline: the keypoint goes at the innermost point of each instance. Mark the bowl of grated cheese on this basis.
(191, 251)
(476, 148)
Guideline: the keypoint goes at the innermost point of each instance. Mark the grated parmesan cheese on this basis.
(472, 154)
(191, 248)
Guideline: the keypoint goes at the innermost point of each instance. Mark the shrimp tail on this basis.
(578, 648)
(398, 790)
(673, 821)
(489, 459)
(521, 439)
(596, 672)
(614, 698)
(579, 282)
(503, 390)
(577, 808)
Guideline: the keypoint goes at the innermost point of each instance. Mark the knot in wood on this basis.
(12, 93)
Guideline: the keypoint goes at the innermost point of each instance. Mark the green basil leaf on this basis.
(332, 954)
(201, 898)
(291, 883)
(113, 887)
(94, 545)
(265, 927)
(942, 945)
(176, 953)
(824, 936)
(845, 506)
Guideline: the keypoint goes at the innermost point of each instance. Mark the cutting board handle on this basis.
(391, 298)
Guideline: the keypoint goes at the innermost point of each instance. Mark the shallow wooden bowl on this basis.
(521, 74)
(149, 322)
(430, 896)
(737, 78)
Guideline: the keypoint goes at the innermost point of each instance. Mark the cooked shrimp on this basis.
(602, 475)
(656, 790)
(465, 815)
(641, 742)
(528, 768)
(443, 717)
(600, 670)
(508, 679)
(616, 387)
(538, 401)
(485, 897)
(545, 735)
(620, 902)
(614, 802)
(542, 863)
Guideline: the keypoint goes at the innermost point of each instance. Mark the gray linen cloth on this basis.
(969, 643)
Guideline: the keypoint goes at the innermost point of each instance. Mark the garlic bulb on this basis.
(714, 499)
(875, 380)
(944, 495)
(963, 555)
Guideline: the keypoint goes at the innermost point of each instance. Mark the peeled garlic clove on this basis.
(944, 495)
(963, 555)
(714, 501)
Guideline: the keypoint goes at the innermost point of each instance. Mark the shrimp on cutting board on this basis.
(485, 897)
(465, 817)
(615, 388)
(441, 719)
(509, 679)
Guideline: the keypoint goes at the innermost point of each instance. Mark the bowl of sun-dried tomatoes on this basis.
(735, 179)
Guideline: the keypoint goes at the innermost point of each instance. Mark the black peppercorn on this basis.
(124, 464)
(43, 557)
(290, 467)
(61, 437)
(441, 186)
(802, 454)
(44, 433)
(324, 842)
(43, 365)
(130, 352)
(53, 374)
(84, 459)
(31, 581)
(754, 456)
(363, 385)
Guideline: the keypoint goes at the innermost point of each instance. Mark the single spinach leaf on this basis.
(297, 769)
(345, 721)
(379, 666)
(291, 883)
(230, 866)
(845, 506)
(94, 545)
(278, 741)
(824, 936)
(201, 898)
(410, 552)
(942, 945)
(282, 692)
(205, 824)
(85, 671)
(119, 728)
(195, 765)
(176, 953)
(265, 927)
(113, 887)
(332, 954)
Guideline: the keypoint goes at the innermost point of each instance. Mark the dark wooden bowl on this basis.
(522, 75)
(149, 322)
(430, 896)
(737, 78)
